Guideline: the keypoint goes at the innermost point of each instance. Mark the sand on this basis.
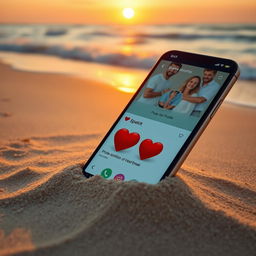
(49, 126)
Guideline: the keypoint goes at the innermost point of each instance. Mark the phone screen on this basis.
(157, 123)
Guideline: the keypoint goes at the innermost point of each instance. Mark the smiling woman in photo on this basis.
(174, 99)
(190, 87)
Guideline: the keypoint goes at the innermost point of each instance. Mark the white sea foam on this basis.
(136, 46)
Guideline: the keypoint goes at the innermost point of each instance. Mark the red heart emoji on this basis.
(127, 118)
(149, 149)
(123, 139)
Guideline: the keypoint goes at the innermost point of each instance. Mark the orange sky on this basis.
(110, 12)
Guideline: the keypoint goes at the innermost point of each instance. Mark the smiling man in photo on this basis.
(208, 90)
(159, 84)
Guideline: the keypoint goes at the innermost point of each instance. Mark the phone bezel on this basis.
(193, 59)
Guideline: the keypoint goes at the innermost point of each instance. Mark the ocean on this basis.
(122, 55)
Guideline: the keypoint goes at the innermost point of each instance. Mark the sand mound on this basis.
(50, 209)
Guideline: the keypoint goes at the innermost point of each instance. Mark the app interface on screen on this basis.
(157, 123)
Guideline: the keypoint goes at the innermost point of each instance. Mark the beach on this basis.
(49, 126)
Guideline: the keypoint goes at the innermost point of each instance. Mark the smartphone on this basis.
(162, 122)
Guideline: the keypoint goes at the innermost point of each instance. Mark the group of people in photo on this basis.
(192, 97)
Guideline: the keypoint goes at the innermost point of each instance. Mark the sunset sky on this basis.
(110, 12)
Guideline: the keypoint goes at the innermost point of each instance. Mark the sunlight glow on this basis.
(127, 90)
(126, 82)
(128, 13)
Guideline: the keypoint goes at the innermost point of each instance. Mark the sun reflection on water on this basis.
(123, 79)
(126, 82)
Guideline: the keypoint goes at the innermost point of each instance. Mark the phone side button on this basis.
(216, 108)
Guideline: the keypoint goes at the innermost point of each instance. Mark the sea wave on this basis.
(82, 54)
(193, 36)
(133, 46)
(56, 32)
(229, 27)
(248, 69)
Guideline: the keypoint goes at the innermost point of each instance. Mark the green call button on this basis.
(106, 173)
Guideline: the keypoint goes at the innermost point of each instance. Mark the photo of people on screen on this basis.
(181, 94)
(174, 99)
(159, 84)
(208, 89)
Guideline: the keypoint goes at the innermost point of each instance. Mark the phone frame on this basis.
(198, 60)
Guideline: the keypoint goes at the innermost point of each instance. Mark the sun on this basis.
(128, 13)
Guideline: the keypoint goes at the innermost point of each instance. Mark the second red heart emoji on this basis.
(149, 149)
(123, 139)
(127, 118)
